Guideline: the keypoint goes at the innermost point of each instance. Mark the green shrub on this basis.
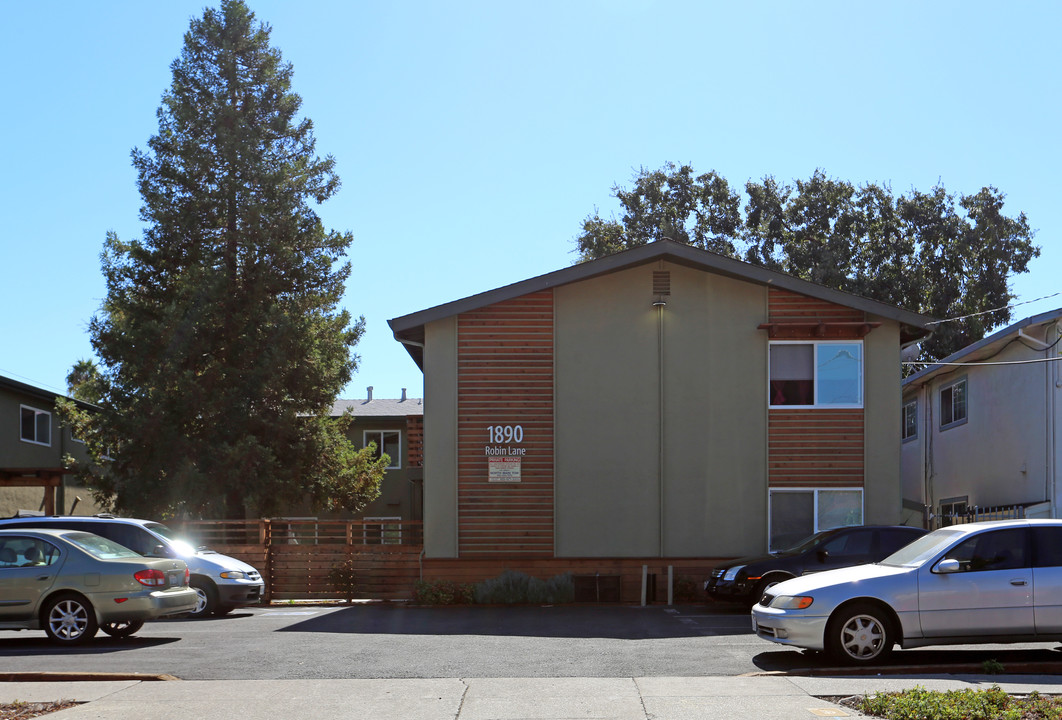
(343, 579)
(517, 588)
(922, 704)
(686, 589)
(442, 592)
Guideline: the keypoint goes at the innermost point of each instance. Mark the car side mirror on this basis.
(822, 555)
(161, 551)
(948, 565)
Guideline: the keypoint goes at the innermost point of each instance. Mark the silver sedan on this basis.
(71, 583)
(990, 582)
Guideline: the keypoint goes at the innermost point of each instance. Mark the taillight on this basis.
(187, 576)
(151, 577)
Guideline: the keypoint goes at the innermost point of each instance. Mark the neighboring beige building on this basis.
(663, 405)
(32, 448)
(983, 429)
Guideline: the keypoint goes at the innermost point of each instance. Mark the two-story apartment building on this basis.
(983, 428)
(665, 405)
(32, 448)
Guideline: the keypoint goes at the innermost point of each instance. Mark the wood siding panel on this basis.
(816, 448)
(505, 378)
(787, 306)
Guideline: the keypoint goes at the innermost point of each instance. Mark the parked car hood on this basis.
(807, 584)
(754, 559)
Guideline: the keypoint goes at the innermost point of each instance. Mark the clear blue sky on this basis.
(473, 138)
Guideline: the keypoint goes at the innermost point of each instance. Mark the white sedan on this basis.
(989, 582)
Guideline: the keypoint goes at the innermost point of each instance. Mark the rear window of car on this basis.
(100, 547)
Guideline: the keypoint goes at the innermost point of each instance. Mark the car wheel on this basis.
(206, 598)
(859, 634)
(122, 629)
(69, 620)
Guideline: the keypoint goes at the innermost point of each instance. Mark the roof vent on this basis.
(403, 395)
(369, 389)
(661, 282)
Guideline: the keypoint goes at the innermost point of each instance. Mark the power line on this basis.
(986, 312)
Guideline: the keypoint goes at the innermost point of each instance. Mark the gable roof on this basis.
(409, 329)
(982, 349)
(48, 396)
(378, 407)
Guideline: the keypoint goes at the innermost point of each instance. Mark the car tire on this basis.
(224, 609)
(206, 600)
(69, 620)
(122, 629)
(859, 634)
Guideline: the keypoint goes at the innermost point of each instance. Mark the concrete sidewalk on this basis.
(764, 697)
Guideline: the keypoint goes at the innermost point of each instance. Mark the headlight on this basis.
(792, 602)
(731, 573)
(233, 574)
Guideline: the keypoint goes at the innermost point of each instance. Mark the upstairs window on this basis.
(953, 404)
(824, 374)
(909, 430)
(36, 426)
(387, 441)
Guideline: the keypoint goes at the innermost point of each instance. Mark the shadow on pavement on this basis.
(562, 621)
(980, 660)
(99, 645)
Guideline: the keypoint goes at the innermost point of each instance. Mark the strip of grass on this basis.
(993, 704)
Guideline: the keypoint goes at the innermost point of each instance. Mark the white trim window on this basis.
(382, 531)
(816, 374)
(35, 425)
(795, 514)
(909, 429)
(387, 441)
(953, 404)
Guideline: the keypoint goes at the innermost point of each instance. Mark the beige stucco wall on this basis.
(440, 438)
(614, 355)
(882, 496)
(1000, 456)
(608, 468)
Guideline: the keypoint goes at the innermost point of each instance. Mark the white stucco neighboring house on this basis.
(983, 428)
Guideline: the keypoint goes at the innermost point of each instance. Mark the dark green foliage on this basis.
(931, 253)
(343, 579)
(517, 588)
(442, 592)
(221, 342)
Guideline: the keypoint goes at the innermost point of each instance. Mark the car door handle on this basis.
(1019, 581)
(42, 578)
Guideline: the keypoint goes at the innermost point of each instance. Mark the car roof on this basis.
(66, 518)
(47, 532)
(1001, 524)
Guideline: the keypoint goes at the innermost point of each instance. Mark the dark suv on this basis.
(744, 580)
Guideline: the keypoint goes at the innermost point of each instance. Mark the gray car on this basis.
(71, 583)
(989, 582)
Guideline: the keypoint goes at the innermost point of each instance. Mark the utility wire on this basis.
(986, 312)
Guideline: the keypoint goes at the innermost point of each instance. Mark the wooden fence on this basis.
(295, 555)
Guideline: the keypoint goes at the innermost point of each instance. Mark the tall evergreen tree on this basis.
(221, 342)
(926, 252)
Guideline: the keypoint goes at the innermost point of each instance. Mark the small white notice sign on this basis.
(504, 469)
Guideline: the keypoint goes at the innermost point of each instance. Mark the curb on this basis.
(81, 677)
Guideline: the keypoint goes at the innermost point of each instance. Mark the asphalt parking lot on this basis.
(399, 641)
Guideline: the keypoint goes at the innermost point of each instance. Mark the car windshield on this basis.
(100, 547)
(806, 544)
(182, 546)
(923, 549)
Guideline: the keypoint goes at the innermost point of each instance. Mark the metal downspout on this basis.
(660, 417)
